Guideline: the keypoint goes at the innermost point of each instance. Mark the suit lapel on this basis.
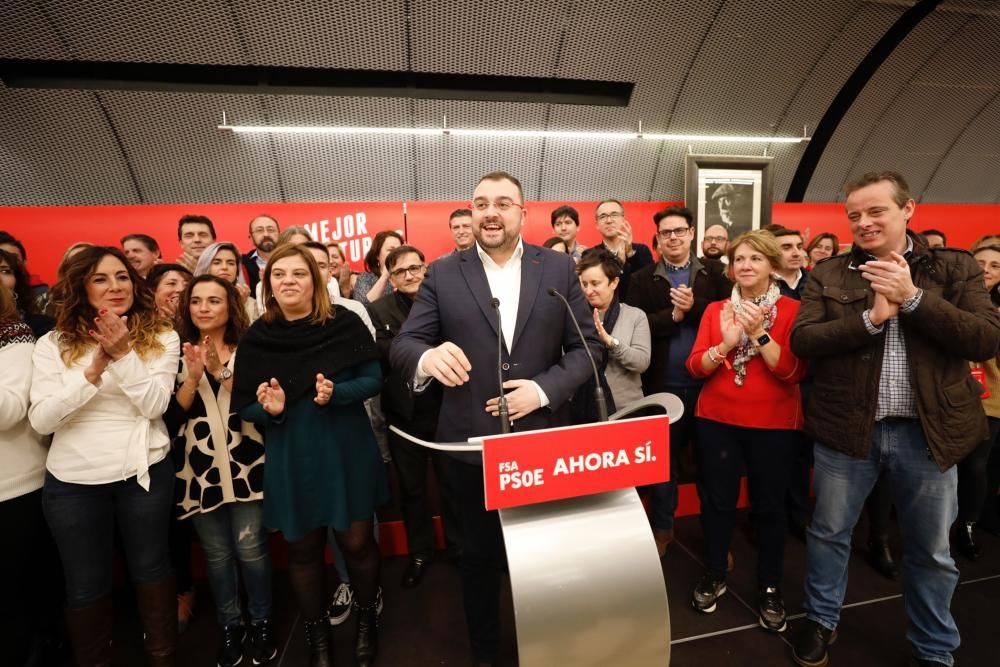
(475, 277)
(531, 282)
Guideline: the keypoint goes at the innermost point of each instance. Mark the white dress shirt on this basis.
(505, 286)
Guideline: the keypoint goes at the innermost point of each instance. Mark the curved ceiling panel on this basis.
(723, 66)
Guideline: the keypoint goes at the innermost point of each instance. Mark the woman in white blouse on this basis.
(22, 469)
(101, 383)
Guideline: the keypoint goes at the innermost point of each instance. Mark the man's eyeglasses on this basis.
(667, 233)
(414, 270)
(614, 215)
(503, 205)
(716, 239)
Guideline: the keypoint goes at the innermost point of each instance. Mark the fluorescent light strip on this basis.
(535, 134)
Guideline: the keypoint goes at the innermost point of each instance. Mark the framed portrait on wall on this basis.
(733, 191)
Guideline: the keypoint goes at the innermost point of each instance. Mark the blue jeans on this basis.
(926, 503)
(229, 533)
(82, 518)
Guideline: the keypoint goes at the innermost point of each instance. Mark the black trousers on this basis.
(482, 558)
(768, 455)
(31, 576)
(411, 467)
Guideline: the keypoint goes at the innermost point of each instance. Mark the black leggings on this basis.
(973, 482)
(307, 566)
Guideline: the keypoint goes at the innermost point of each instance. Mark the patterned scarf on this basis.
(15, 331)
(746, 350)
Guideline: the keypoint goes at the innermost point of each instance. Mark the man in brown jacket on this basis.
(889, 327)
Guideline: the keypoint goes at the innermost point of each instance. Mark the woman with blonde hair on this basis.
(101, 382)
(749, 411)
(303, 373)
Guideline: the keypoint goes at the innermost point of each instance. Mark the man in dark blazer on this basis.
(416, 414)
(450, 337)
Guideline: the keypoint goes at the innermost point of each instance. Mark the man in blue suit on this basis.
(450, 337)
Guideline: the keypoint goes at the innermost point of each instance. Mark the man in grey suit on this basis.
(450, 337)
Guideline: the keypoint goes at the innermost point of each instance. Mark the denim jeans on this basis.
(926, 504)
(229, 533)
(82, 518)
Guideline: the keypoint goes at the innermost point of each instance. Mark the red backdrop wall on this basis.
(48, 231)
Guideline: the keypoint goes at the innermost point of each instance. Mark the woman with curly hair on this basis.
(101, 383)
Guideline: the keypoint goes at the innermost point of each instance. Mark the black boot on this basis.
(965, 541)
(366, 646)
(318, 638)
(880, 557)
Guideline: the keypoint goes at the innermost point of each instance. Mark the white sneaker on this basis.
(340, 608)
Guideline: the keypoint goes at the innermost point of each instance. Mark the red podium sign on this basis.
(538, 466)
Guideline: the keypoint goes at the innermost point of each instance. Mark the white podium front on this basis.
(586, 581)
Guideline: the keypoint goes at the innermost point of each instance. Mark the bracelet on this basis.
(715, 355)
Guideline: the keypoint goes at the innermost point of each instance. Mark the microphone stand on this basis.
(502, 403)
(599, 400)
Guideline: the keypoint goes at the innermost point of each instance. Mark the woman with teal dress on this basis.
(303, 372)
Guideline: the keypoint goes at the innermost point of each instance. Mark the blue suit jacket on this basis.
(453, 304)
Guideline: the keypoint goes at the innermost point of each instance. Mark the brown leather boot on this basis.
(158, 610)
(90, 633)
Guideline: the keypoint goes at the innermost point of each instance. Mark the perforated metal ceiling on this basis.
(724, 66)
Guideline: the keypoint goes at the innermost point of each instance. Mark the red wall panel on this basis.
(48, 231)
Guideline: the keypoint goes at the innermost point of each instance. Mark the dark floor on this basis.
(425, 627)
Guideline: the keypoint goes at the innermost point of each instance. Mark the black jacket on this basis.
(414, 413)
(650, 291)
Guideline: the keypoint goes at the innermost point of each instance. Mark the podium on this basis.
(586, 581)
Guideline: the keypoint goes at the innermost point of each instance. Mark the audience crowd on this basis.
(226, 396)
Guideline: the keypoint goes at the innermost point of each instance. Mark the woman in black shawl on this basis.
(303, 371)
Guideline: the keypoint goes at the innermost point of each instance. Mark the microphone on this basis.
(602, 405)
(502, 403)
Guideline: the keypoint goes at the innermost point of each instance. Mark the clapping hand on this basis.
(324, 390)
(111, 334)
(194, 360)
(732, 330)
(601, 333)
(890, 278)
(751, 319)
(271, 397)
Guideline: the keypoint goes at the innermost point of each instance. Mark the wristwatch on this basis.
(224, 375)
(763, 340)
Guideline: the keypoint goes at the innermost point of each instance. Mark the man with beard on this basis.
(264, 232)
(715, 242)
(450, 336)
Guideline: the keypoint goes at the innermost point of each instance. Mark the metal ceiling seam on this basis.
(844, 100)
(120, 143)
(958, 137)
(877, 121)
(566, 17)
(792, 99)
(680, 92)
